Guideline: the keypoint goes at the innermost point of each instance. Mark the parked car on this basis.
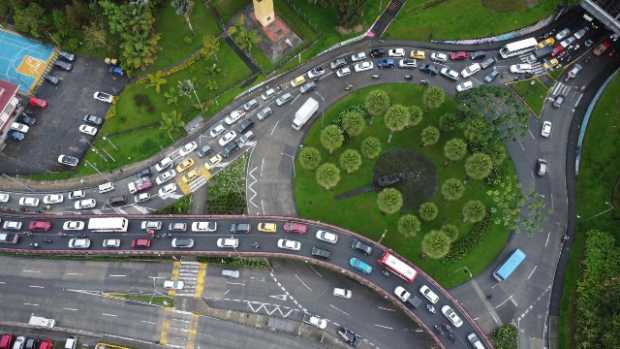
(73, 225)
(264, 113)
(342, 72)
(217, 130)
(464, 86)
(377, 52)
(68, 160)
(450, 314)
(177, 226)
(402, 294)
(407, 63)
(429, 294)
(5, 197)
(26, 119)
(361, 247)
(385, 63)
(396, 52)
(233, 274)
(348, 336)
(315, 320)
(315, 72)
(298, 81)
(92, 119)
(270, 92)
(63, 65)
(601, 48)
(521, 68)
(475, 341)
(69, 57)
(360, 56)
(88, 130)
(212, 161)
(307, 87)
(167, 190)
(15, 135)
(541, 167)
(240, 228)
(234, 116)
(429, 69)
(487, 63)
(477, 55)
(363, 66)
(342, 293)
(449, 73)
(562, 34)
(244, 125)
(16, 126)
(283, 99)
(165, 176)
(320, 252)
(250, 105)
(203, 151)
(417, 54)
(338, 63)
(52, 79)
(575, 70)
(471, 70)
(12, 225)
(267, 227)
(103, 97)
(111, 243)
(188, 148)
(185, 164)
(489, 78)
(76, 194)
(227, 138)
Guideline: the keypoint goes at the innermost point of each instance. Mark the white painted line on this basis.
(315, 271)
(303, 283)
(31, 304)
(30, 271)
(531, 134)
(521, 145)
(495, 318)
(274, 127)
(338, 309)
(225, 293)
(512, 300)
(262, 164)
(386, 309)
(385, 327)
(235, 283)
(547, 241)
(36, 286)
(147, 322)
(2, 283)
(74, 274)
(71, 309)
(532, 272)
(109, 315)
(502, 303)
(117, 275)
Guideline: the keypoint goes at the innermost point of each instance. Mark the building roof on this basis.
(7, 91)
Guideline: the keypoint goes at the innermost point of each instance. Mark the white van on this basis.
(106, 187)
(71, 343)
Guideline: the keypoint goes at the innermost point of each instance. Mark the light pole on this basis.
(610, 207)
(110, 141)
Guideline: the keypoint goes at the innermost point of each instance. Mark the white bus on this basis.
(518, 47)
(305, 113)
(108, 224)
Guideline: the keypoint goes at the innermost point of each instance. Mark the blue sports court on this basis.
(23, 61)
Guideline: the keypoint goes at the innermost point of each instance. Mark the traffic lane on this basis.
(268, 245)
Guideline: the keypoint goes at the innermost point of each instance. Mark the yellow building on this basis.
(263, 10)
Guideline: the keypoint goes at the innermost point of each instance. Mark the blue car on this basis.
(16, 135)
(385, 63)
(360, 265)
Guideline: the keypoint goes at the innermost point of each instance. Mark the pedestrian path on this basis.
(388, 15)
(193, 275)
(178, 329)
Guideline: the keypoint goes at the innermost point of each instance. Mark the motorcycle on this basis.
(256, 244)
(431, 309)
(348, 87)
(375, 76)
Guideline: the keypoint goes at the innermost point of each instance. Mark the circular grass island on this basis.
(427, 188)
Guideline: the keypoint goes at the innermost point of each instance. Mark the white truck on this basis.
(305, 113)
(40, 321)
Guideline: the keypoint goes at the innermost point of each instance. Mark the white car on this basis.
(228, 243)
(342, 72)
(342, 293)
(88, 130)
(315, 72)
(315, 321)
(326, 236)
(449, 73)
(360, 56)
(407, 63)
(286, 244)
(111, 243)
(475, 341)
(28, 201)
(165, 177)
(142, 197)
(521, 68)
(283, 99)
(268, 94)
(471, 70)
(363, 66)
(401, 293)
(167, 189)
(12, 225)
(79, 244)
(227, 138)
(396, 52)
(51, 199)
(451, 316)
(439, 57)
(234, 116)
(16, 126)
(73, 225)
(562, 34)
(429, 294)
(188, 148)
(464, 86)
(163, 164)
(174, 284)
(103, 97)
(545, 131)
(84, 204)
(208, 226)
(5, 197)
(217, 130)
(251, 104)
(76, 194)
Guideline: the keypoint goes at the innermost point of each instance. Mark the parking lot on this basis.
(56, 131)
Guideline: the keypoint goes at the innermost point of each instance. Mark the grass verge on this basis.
(598, 176)
(533, 93)
(316, 203)
(227, 189)
(162, 301)
(425, 20)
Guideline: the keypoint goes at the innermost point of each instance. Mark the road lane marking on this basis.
(200, 280)
(36, 286)
(75, 274)
(225, 293)
(547, 241)
(531, 134)
(109, 315)
(31, 304)
(532, 272)
(386, 309)
(30, 271)
(338, 309)
(385, 327)
(2, 283)
(117, 275)
(235, 283)
(71, 309)
(303, 283)
(147, 322)
(274, 127)
(315, 271)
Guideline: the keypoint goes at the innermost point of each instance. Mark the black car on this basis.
(26, 119)
(348, 336)
(144, 173)
(92, 119)
(491, 77)
(31, 343)
(203, 151)
(16, 135)
(69, 57)
(321, 253)
(361, 247)
(487, 62)
(239, 228)
(229, 149)
(477, 55)
(377, 52)
(429, 69)
(244, 125)
(52, 79)
(117, 200)
(63, 65)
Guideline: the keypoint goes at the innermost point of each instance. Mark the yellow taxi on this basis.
(185, 164)
(212, 161)
(551, 63)
(190, 176)
(547, 42)
(417, 54)
(267, 227)
(298, 81)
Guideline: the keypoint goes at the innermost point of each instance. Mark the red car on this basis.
(601, 48)
(6, 340)
(458, 56)
(557, 50)
(140, 243)
(296, 228)
(46, 344)
(38, 102)
(40, 226)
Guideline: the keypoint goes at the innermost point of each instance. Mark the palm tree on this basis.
(210, 46)
(186, 88)
(184, 8)
(156, 80)
(171, 122)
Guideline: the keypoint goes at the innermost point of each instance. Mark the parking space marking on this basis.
(339, 310)
(532, 272)
(303, 283)
(384, 327)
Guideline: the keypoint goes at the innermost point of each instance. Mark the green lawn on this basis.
(228, 8)
(177, 41)
(316, 203)
(464, 19)
(533, 92)
(598, 175)
(163, 301)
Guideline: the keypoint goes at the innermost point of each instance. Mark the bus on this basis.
(518, 47)
(108, 224)
(509, 266)
(398, 267)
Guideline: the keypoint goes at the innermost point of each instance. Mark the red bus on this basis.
(398, 267)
